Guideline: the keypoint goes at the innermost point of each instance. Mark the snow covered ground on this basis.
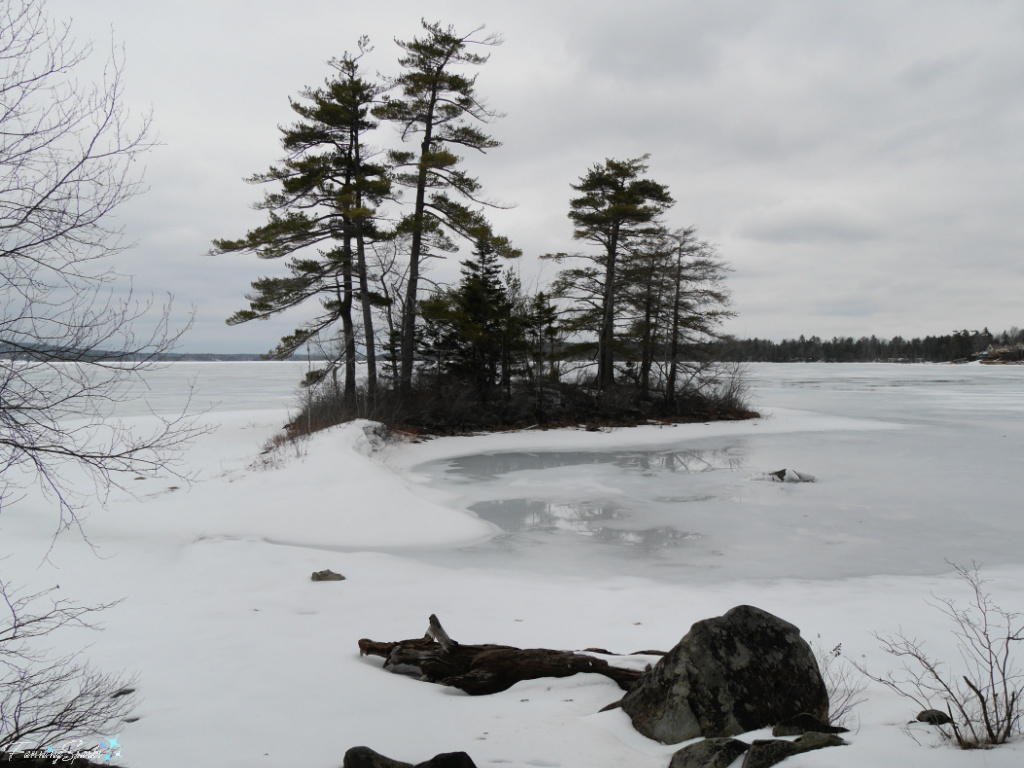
(622, 543)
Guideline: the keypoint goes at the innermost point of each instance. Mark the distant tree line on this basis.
(627, 330)
(954, 347)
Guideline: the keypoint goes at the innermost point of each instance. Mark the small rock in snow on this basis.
(326, 575)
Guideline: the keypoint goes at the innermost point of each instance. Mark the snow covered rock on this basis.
(709, 753)
(449, 760)
(745, 670)
(364, 757)
(933, 717)
(764, 753)
(786, 476)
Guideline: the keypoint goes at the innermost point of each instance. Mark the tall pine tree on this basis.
(617, 206)
(440, 105)
(328, 190)
(695, 307)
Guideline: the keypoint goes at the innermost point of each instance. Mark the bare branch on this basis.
(983, 700)
(70, 348)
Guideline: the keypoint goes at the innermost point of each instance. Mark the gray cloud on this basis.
(857, 163)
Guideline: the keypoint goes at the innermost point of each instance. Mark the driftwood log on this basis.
(484, 669)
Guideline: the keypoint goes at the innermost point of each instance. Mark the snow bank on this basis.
(331, 491)
(773, 421)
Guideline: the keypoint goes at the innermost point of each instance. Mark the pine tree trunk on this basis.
(409, 317)
(348, 327)
(369, 339)
(606, 355)
(646, 352)
(344, 295)
(368, 334)
(670, 382)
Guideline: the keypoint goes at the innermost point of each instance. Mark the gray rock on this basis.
(364, 757)
(789, 476)
(802, 723)
(709, 753)
(449, 760)
(326, 575)
(934, 717)
(767, 752)
(745, 670)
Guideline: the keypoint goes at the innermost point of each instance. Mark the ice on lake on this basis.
(915, 465)
(926, 472)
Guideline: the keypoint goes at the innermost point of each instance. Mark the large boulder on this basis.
(739, 672)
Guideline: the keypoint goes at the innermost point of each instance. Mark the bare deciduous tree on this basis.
(70, 346)
(44, 700)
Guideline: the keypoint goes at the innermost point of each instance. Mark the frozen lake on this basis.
(216, 387)
(924, 468)
(914, 465)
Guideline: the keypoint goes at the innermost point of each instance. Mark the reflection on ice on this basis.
(532, 514)
(493, 465)
(639, 500)
(588, 519)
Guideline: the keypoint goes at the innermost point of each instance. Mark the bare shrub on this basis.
(983, 697)
(843, 681)
(730, 386)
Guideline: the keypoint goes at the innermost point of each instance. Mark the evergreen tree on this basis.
(697, 307)
(544, 335)
(617, 206)
(646, 286)
(440, 105)
(472, 329)
(329, 188)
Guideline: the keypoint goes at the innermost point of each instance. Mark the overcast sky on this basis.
(860, 165)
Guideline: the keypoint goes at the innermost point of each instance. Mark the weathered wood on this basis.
(436, 631)
(485, 669)
(498, 670)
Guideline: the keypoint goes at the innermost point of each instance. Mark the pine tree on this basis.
(646, 287)
(617, 206)
(473, 328)
(329, 187)
(697, 306)
(544, 335)
(440, 105)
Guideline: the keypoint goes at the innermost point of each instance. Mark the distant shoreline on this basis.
(217, 357)
(238, 357)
